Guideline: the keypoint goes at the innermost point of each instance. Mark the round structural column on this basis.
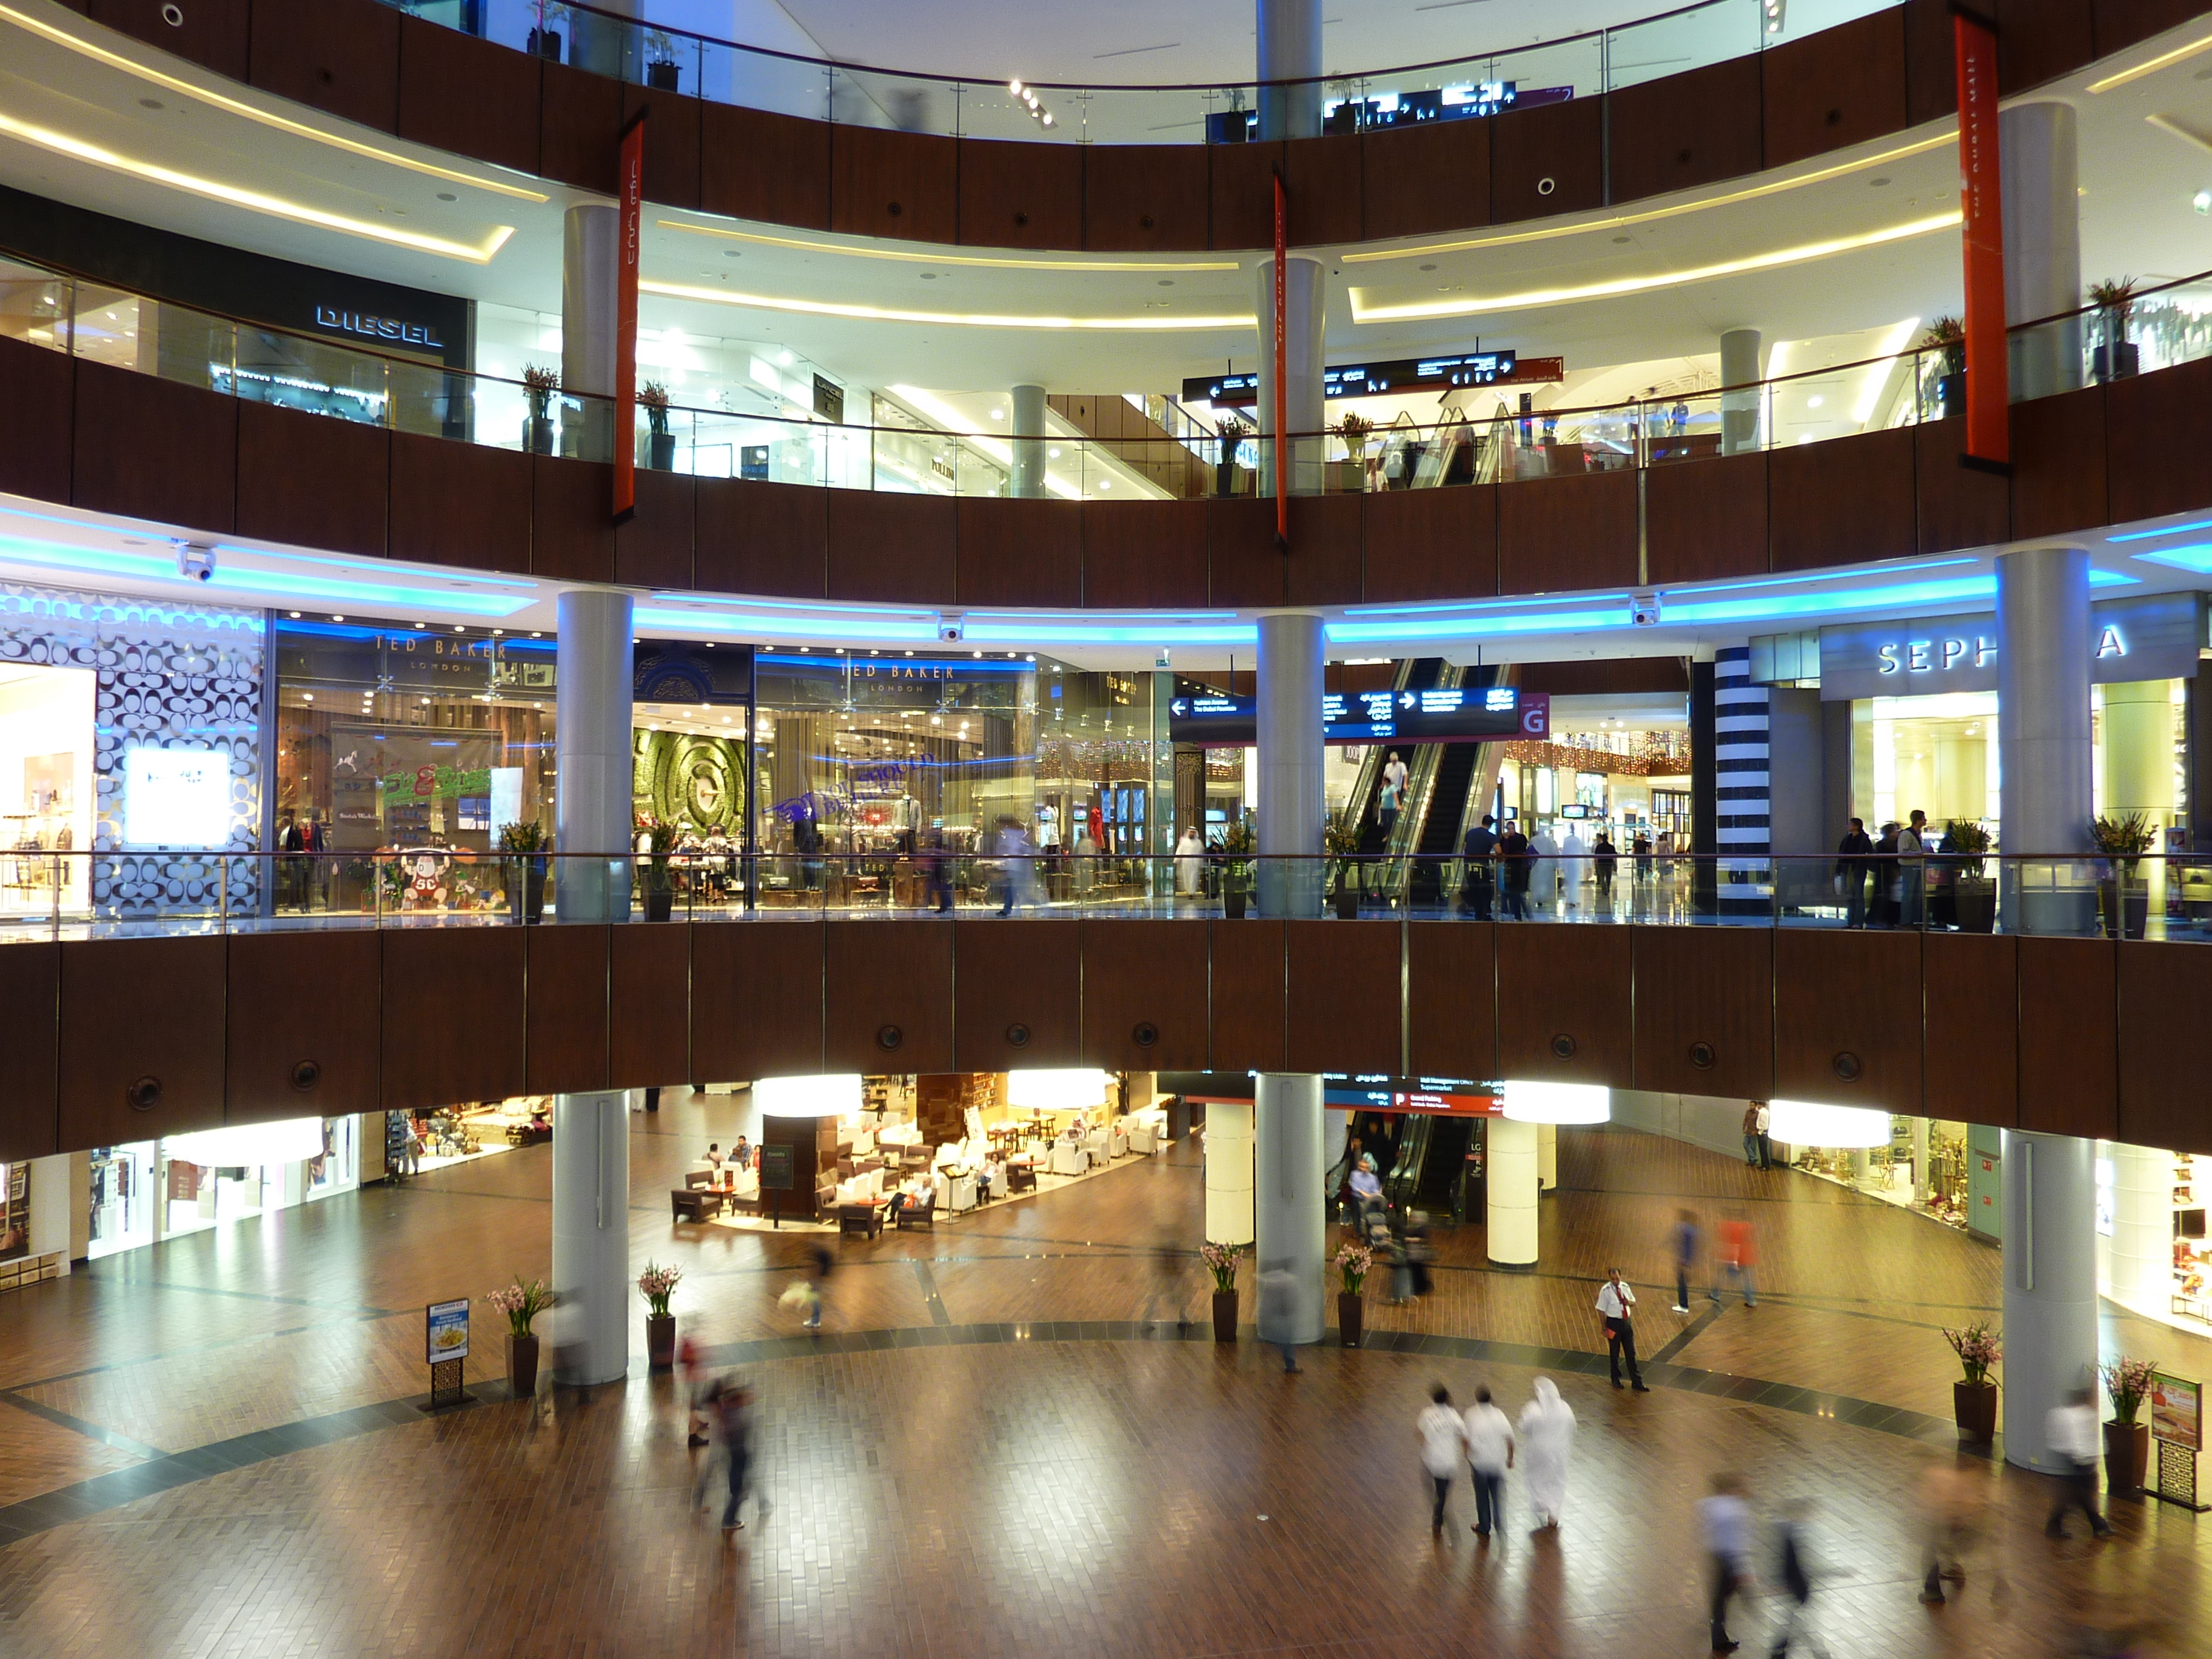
(2050, 1287)
(2043, 731)
(1228, 1173)
(2141, 1254)
(590, 1236)
(1290, 50)
(591, 261)
(2042, 246)
(1511, 1187)
(1289, 686)
(1304, 302)
(592, 749)
(1290, 1218)
(1547, 1158)
(1739, 409)
(1026, 483)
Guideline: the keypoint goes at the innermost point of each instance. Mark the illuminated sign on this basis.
(176, 797)
(2153, 637)
(1469, 714)
(1401, 374)
(369, 326)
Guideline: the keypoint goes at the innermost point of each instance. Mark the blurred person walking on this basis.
(733, 1425)
(2071, 1430)
(1168, 1265)
(1616, 1307)
(1685, 1257)
(1547, 1441)
(1574, 865)
(1853, 861)
(1794, 1571)
(1725, 1518)
(1443, 1442)
(691, 1371)
(1736, 1260)
(1279, 1305)
(1951, 1517)
(1605, 861)
(1481, 879)
(1489, 1455)
(1513, 872)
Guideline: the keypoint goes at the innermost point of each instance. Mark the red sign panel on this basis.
(633, 213)
(1989, 437)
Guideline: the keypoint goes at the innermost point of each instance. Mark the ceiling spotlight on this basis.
(295, 616)
(2202, 201)
(1014, 86)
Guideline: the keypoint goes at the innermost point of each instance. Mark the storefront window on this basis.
(123, 1199)
(45, 787)
(1924, 1166)
(1935, 754)
(152, 1190)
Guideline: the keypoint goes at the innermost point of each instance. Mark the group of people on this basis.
(1735, 1262)
(1898, 880)
(1512, 868)
(720, 1422)
(1486, 1441)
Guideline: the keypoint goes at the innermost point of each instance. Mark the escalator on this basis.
(1466, 775)
(1421, 1157)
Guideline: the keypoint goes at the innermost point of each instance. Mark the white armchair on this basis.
(1068, 1158)
(1117, 1142)
(1141, 1138)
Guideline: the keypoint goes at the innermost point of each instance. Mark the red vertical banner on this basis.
(1282, 366)
(1989, 431)
(632, 212)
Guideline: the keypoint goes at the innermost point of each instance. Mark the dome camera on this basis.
(195, 561)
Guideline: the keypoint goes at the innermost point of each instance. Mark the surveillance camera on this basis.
(1644, 611)
(951, 629)
(195, 561)
(1162, 661)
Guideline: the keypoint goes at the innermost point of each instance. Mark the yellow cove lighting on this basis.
(958, 318)
(1363, 311)
(805, 246)
(266, 118)
(215, 189)
(2152, 67)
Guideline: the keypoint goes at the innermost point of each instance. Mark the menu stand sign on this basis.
(775, 1178)
(2177, 1423)
(446, 1343)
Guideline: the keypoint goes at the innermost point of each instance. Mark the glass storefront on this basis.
(45, 787)
(149, 1190)
(1923, 1167)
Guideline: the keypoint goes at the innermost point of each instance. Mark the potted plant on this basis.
(544, 40)
(1221, 1261)
(1947, 336)
(2113, 358)
(524, 845)
(2123, 838)
(660, 66)
(1974, 1398)
(1973, 893)
(660, 441)
(658, 1283)
(1352, 1261)
(540, 382)
(1236, 846)
(1233, 432)
(1353, 429)
(2127, 1443)
(522, 1302)
(659, 888)
(1340, 837)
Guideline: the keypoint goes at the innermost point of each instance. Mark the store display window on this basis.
(45, 787)
(124, 1198)
(155, 1189)
(14, 1211)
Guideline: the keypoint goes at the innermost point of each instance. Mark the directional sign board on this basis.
(1471, 714)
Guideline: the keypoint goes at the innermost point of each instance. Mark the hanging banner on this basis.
(1282, 364)
(632, 212)
(1989, 437)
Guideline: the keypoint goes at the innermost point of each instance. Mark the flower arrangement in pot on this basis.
(2113, 357)
(1354, 428)
(1352, 1261)
(1233, 432)
(660, 838)
(1339, 838)
(2127, 1443)
(660, 441)
(1946, 336)
(522, 1302)
(661, 69)
(1973, 893)
(1221, 1260)
(540, 382)
(1238, 846)
(545, 38)
(1974, 1398)
(524, 845)
(657, 1284)
(2123, 838)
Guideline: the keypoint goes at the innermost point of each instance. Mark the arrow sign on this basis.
(1407, 699)
(1180, 706)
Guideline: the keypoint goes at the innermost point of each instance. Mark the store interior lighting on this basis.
(288, 1141)
(1076, 1090)
(1807, 1123)
(1528, 1102)
(833, 1096)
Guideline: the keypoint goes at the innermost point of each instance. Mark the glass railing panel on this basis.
(872, 98)
(1693, 426)
(1783, 21)
(35, 305)
(1140, 115)
(1645, 51)
(759, 80)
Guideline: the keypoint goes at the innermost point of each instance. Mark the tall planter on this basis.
(1975, 1406)
(525, 888)
(1975, 899)
(2127, 1457)
(538, 432)
(1224, 1315)
(1232, 900)
(521, 1365)
(659, 1341)
(1350, 1317)
(2125, 906)
(659, 903)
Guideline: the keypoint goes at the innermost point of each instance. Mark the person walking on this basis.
(1616, 1307)
(1854, 853)
(733, 1417)
(1751, 1134)
(1279, 1305)
(1489, 1455)
(1725, 1518)
(1764, 1120)
(1685, 1257)
(1513, 872)
(1394, 791)
(1443, 1442)
(1913, 872)
(691, 1371)
(1606, 859)
(1547, 1441)
(1544, 873)
(1793, 1571)
(1574, 865)
(1477, 849)
(1883, 911)
(1189, 863)
(2071, 1431)
(1737, 1260)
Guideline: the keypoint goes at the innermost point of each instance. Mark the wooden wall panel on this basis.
(1020, 553)
(149, 448)
(460, 504)
(1426, 179)
(756, 1001)
(1845, 502)
(1705, 1011)
(762, 538)
(37, 388)
(1848, 995)
(1707, 520)
(2153, 449)
(312, 481)
(1322, 179)
(1020, 195)
(2069, 1063)
(672, 143)
(1324, 567)
(889, 1005)
(572, 531)
(30, 990)
(1569, 987)
(342, 56)
(1838, 87)
(2119, 24)
(1241, 188)
(1430, 544)
(649, 1017)
(454, 1015)
(1969, 996)
(2039, 41)
(884, 182)
(1250, 962)
(1139, 974)
(1145, 554)
(894, 550)
(1017, 980)
(137, 1009)
(2164, 990)
(1931, 74)
(579, 128)
(1550, 158)
(1679, 131)
(1956, 506)
(1245, 567)
(755, 164)
(1345, 979)
(470, 96)
(1145, 198)
(301, 1019)
(565, 1019)
(653, 550)
(1560, 533)
(2058, 472)
(210, 32)
(1451, 999)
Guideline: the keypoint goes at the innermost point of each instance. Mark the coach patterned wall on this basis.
(1743, 816)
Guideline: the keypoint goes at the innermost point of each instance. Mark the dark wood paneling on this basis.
(1020, 195)
(1324, 564)
(1969, 996)
(2154, 447)
(1705, 520)
(30, 989)
(1564, 533)
(133, 1009)
(1245, 567)
(1956, 506)
(1020, 553)
(211, 33)
(763, 539)
(1148, 554)
(653, 550)
(887, 977)
(2039, 41)
(2117, 24)
(1142, 198)
(1426, 179)
(1683, 131)
(1345, 996)
(1854, 995)
(1550, 158)
(1932, 73)
(1430, 544)
(311, 481)
(36, 390)
(1321, 188)
(572, 531)
(1451, 999)
(472, 97)
(2164, 990)
(149, 448)
(1145, 973)
(1845, 502)
(1017, 978)
(894, 550)
(301, 1024)
(649, 1017)
(454, 1023)
(565, 1020)
(1839, 86)
(342, 56)
(1250, 962)
(1707, 988)
(2058, 475)
(1243, 193)
(756, 997)
(580, 129)
(755, 164)
(887, 183)
(460, 504)
(2069, 1063)
(672, 143)
(1566, 986)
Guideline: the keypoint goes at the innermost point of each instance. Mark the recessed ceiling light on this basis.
(295, 616)
(1432, 267)
(928, 276)
(337, 619)
(737, 253)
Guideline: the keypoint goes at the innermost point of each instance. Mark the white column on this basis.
(592, 750)
(1740, 409)
(2043, 731)
(590, 1235)
(2042, 246)
(2050, 1287)
(1304, 308)
(2138, 760)
(1290, 1218)
(589, 267)
(2142, 1253)
(1290, 49)
(1548, 1157)
(1228, 1173)
(1027, 407)
(1289, 687)
(1509, 1184)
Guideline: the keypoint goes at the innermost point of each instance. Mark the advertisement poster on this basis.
(176, 797)
(446, 1330)
(2177, 1411)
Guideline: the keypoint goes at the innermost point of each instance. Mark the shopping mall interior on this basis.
(1295, 719)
